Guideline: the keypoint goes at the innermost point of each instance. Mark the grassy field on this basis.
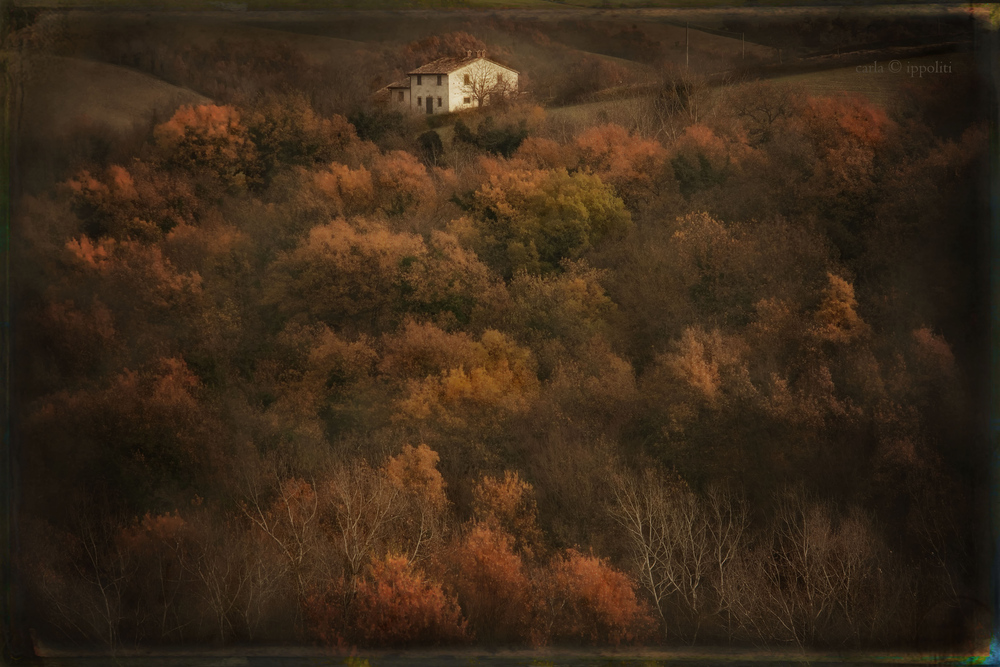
(253, 5)
(63, 94)
(878, 86)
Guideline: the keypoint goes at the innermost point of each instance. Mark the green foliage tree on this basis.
(491, 138)
(534, 219)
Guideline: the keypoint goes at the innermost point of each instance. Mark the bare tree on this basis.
(759, 106)
(265, 572)
(362, 507)
(107, 569)
(727, 516)
(662, 105)
(486, 84)
(822, 575)
(289, 516)
(641, 508)
(683, 546)
(222, 574)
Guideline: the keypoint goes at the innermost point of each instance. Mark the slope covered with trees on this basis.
(711, 377)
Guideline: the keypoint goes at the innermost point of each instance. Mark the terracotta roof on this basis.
(450, 64)
(404, 83)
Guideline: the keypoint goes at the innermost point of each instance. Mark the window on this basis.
(420, 101)
(401, 96)
(439, 80)
(467, 100)
(439, 101)
(467, 80)
(418, 79)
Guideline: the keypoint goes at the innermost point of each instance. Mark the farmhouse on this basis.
(452, 84)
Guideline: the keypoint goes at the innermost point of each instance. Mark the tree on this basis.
(836, 320)
(430, 146)
(212, 139)
(761, 106)
(140, 203)
(534, 219)
(341, 273)
(507, 506)
(414, 472)
(401, 182)
(681, 547)
(823, 577)
(632, 165)
(362, 508)
(500, 381)
(291, 520)
(455, 44)
(593, 602)
(493, 588)
(499, 140)
(286, 131)
(486, 84)
(398, 606)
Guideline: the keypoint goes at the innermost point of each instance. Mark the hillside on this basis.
(64, 94)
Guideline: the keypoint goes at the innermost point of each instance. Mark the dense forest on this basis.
(291, 366)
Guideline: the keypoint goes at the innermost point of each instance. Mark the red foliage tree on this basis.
(209, 139)
(493, 587)
(398, 606)
(596, 603)
(633, 165)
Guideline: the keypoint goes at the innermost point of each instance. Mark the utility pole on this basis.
(743, 41)
(687, 43)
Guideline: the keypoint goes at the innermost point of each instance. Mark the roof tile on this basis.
(450, 64)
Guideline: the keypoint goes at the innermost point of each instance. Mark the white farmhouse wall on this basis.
(456, 82)
(452, 90)
(456, 87)
(428, 87)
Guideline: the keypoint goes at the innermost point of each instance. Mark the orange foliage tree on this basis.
(593, 602)
(499, 381)
(368, 277)
(414, 472)
(398, 606)
(212, 139)
(507, 506)
(493, 587)
(632, 165)
(140, 203)
(401, 182)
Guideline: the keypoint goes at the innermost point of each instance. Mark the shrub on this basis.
(599, 603)
(492, 138)
(493, 588)
(324, 614)
(431, 147)
(398, 606)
